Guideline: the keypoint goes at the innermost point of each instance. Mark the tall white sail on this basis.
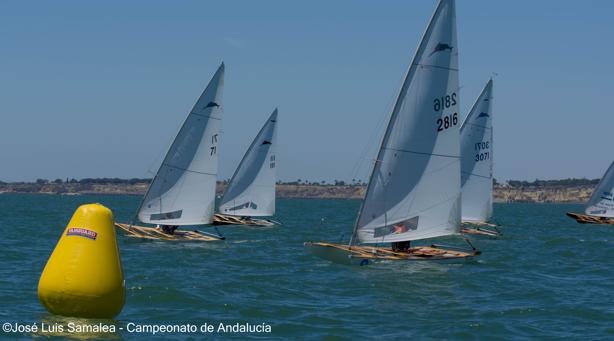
(183, 190)
(601, 203)
(251, 191)
(477, 159)
(414, 189)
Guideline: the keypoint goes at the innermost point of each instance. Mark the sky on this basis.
(100, 88)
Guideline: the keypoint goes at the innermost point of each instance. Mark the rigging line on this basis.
(187, 170)
(359, 164)
(153, 179)
(469, 242)
(161, 155)
(421, 153)
(370, 142)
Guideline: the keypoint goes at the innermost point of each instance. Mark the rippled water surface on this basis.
(548, 277)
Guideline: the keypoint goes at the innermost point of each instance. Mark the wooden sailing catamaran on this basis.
(251, 190)
(600, 207)
(476, 167)
(183, 190)
(414, 187)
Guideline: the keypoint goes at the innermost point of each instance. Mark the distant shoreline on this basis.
(553, 191)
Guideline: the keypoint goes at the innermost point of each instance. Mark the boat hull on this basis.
(153, 233)
(480, 232)
(589, 219)
(365, 255)
(224, 219)
(480, 229)
(477, 228)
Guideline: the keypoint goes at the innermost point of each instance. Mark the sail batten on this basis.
(477, 159)
(414, 187)
(601, 202)
(251, 190)
(421, 153)
(183, 190)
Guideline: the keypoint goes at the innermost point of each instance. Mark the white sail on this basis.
(183, 190)
(251, 191)
(601, 203)
(414, 189)
(477, 159)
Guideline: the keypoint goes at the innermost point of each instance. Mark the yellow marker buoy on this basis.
(84, 277)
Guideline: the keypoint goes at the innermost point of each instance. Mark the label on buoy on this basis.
(78, 231)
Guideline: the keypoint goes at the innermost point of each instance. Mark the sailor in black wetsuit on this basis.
(401, 246)
(169, 229)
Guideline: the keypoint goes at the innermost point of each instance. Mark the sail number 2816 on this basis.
(447, 122)
(444, 102)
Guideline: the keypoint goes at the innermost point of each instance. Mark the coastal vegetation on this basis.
(541, 191)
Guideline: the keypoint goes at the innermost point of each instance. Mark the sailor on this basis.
(401, 246)
(169, 229)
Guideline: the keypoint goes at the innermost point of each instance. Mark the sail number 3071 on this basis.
(444, 102)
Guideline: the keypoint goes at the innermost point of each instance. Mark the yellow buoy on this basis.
(84, 277)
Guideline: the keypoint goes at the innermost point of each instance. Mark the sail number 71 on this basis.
(213, 144)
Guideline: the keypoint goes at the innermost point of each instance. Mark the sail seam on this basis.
(422, 153)
(478, 126)
(206, 116)
(188, 170)
(481, 176)
(437, 67)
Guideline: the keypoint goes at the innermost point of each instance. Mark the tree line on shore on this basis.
(570, 182)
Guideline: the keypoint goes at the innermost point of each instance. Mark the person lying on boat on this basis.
(169, 229)
(399, 228)
(400, 246)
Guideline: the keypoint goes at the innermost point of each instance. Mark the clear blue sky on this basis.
(100, 88)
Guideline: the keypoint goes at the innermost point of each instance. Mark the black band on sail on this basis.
(242, 206)
(410, 224)
(166, 216)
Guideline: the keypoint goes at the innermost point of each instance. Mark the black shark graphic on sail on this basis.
(249, 204)
(266, 142)
(483, 114)
(212, 105)
(441, 47)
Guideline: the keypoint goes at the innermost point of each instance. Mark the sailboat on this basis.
(600, 207)
(476, 167)
(251, 190)
(183, 190)
(414, 187)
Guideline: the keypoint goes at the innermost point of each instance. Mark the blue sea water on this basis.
(547, 277)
